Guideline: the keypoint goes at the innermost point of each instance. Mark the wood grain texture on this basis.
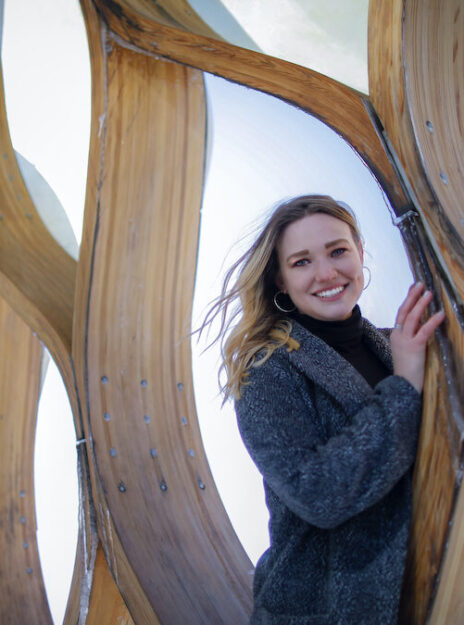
(389, 92)
(141, 610)
(175, 13)
(433, 33)
(340, 107)
(106, 604)
(36, 275)
(400, 69)
(157, 483)
(22, 588)
(171, 548)
(437, 469)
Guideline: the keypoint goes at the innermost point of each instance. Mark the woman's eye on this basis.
(301, 262)
(339, 251)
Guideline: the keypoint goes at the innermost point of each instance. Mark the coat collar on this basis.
(322, 364)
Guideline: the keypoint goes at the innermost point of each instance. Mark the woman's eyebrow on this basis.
(336, 242)
(300, 253)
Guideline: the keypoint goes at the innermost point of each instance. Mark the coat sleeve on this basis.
(326, 482)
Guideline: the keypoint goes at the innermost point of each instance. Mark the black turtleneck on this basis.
(346, 337)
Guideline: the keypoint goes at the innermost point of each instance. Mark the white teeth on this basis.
(330, 292)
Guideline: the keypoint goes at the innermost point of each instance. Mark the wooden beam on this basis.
(24, 599)
(415, 61)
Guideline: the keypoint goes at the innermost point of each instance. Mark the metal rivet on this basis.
(143, 383)
(429, 125)
(5, 155)
(153, 453)
(1, 217)
(444, 177)
(22, 493)
(107, 416)
(25, 544)
(23, 519)
(163, 486)
(201, 485)
(180, 386)
(112, 452)
(146, 418)
(122, 487)
(28, 571)
(104, 379)
(184, 420)
(191, 453)
(29, 215)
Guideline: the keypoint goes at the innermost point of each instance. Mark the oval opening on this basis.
(262, 150)
(46, 75)
(56, 488)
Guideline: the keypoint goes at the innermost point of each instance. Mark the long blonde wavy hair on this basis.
(251, 327)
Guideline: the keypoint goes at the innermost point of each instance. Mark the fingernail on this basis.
(426, 293)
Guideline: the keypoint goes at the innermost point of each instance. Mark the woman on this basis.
(329, 409)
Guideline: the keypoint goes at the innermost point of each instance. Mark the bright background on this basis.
(260, 152)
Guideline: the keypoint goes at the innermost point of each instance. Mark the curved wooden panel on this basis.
(36, 275)
(175, 13)
(139, 250)
(341, 108)
(397, 35)
(388, 92)
(434, 66)
(24, 599)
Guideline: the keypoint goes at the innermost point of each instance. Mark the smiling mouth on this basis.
(330, 292)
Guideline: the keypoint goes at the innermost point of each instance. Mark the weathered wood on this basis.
(389, 92)
(411, 73)
(106, 603)
(341, 108)
(144, 195)
(141, 610)
(24, 599)
(175, 13)
(433, 36)
(36, 275)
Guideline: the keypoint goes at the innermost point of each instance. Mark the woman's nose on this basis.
(325, 271)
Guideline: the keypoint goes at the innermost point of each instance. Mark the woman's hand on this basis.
(409, 338)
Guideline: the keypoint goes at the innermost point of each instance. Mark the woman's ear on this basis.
(279, 282)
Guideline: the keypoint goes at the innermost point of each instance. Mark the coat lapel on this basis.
(324, 366)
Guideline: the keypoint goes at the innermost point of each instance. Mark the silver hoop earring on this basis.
(370, 276)
(281, 308)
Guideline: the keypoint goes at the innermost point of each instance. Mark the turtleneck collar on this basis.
(343, 336)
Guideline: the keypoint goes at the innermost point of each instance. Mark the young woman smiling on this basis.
(329, 409)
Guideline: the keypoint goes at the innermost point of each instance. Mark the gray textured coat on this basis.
(336, 458)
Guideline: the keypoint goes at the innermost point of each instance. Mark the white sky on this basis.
(262, 151)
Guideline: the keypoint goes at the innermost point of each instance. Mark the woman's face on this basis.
(320, 267)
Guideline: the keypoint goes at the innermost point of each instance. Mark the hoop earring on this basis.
(370, 276)
(281, 308)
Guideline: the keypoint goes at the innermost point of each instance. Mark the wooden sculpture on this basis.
(155, 543)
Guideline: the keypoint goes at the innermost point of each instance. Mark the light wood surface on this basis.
(178, 541)
(106, 604)
(36, 275)
(415, 76)
(24, 599)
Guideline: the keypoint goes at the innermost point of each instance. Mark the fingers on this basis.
(413, 294)
(425, 332)
(411, 311)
